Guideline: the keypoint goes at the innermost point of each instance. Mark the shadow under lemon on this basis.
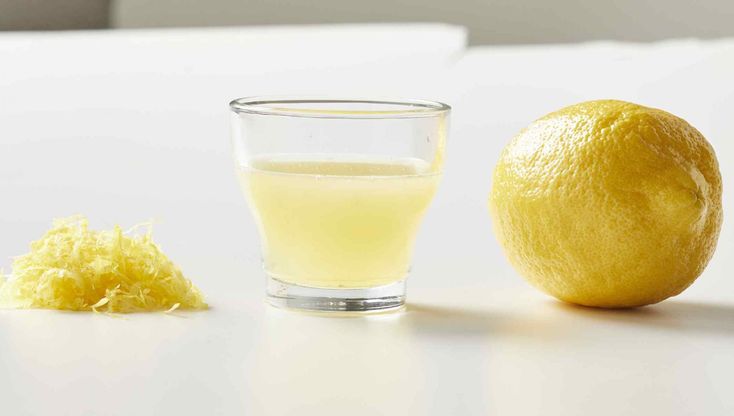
(671, 315)
(553, 319)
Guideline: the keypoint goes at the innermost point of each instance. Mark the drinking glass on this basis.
(338, 189)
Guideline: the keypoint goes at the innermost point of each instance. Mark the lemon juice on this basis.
(338, 223)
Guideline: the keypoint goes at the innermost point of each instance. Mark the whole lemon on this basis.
(608, 204)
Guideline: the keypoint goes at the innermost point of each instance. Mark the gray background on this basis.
(488, 21)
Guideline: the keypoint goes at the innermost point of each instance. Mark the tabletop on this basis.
(129, 126)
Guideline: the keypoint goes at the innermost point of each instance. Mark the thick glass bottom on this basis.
(364, 300)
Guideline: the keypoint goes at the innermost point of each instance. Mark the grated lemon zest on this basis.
(101, 302)
(174, 307)
(74, 268)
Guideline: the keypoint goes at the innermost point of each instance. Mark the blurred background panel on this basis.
(488, 21)
(54, 14)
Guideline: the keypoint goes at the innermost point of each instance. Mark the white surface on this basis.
(127, 127)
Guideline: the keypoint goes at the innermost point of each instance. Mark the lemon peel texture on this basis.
(608, 204)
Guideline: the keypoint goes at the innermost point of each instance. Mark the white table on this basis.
(127, 126)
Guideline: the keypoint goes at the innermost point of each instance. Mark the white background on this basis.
(129, 126)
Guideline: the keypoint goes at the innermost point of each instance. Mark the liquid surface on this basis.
(338, 224)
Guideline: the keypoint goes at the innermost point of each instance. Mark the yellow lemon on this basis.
(608, 204)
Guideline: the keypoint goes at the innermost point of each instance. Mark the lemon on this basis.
(608, 204)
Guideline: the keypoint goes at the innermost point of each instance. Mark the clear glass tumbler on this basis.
(338, 188)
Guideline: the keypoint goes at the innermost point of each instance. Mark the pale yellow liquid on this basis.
(338, 224)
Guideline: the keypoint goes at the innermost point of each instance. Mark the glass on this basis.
(338, 188)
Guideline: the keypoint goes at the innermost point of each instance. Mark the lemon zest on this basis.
(74, 268)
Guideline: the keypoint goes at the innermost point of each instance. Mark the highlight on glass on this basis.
(338, 189)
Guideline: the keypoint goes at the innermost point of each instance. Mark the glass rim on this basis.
(267, 105)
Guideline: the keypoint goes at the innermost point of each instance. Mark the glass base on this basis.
(364, 300)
